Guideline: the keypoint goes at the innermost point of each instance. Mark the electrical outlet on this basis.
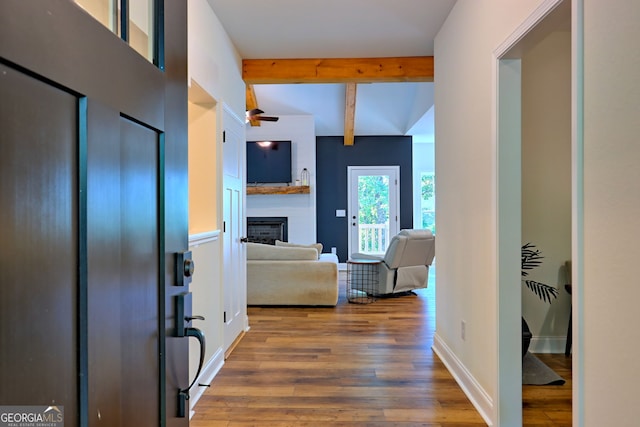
(463, 330)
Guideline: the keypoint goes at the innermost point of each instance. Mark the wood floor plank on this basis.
(353, 365)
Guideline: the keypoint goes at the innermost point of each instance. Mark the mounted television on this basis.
(268, 162)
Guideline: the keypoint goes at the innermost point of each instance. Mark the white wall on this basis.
(214, 62)
(466, 184)
(206, 290)
(215, 69)
(607, 351)
(546, 183)
(299, 208)
(605, 206)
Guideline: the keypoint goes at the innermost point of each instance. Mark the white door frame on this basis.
(507, 408)
(394, 205)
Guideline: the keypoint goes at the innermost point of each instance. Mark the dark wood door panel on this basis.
(123, 211)
(104, 230)
(140, 292)
(38, 247)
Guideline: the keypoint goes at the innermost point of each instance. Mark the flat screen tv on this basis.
(268, 162)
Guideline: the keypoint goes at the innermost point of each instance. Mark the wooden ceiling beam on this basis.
(349, 113)
(338, 70)
(252, 102)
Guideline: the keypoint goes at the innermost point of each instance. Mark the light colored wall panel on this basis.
(213, 60)
(466, 198)
(299, 208)
(607, 346)
(546, 183)
(207, 293)
(203, 173)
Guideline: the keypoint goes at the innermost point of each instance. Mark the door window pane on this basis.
(139, 25)
(104, 11)
(373, 213)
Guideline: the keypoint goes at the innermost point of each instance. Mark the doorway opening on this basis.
(533, 125)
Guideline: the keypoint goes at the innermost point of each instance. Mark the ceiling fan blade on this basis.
(254, 112)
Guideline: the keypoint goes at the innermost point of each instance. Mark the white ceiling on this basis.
(340, 29)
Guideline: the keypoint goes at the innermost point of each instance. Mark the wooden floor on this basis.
(549, 405)
(354, 365)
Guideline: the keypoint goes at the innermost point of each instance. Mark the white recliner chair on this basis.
(405, 265)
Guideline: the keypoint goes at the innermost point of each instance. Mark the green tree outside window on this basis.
(427, 204)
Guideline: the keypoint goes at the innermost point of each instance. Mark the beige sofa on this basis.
(281, 275)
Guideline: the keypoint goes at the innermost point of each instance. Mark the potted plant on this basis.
(532, 258)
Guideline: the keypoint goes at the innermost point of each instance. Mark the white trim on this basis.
(523, 29)
(508, 230)
(205, 377)
(577, 208)
(202, 238)
(480, 399)
(227, 109)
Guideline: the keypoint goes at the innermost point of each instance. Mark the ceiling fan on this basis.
(256, 114)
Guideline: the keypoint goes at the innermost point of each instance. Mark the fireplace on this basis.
(267, 229)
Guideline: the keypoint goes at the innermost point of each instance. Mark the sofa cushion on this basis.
(311, 282)
(316, 246)
(259, 251)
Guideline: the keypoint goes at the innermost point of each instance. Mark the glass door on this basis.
(374, 208)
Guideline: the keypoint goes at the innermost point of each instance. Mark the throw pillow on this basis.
(316, 246)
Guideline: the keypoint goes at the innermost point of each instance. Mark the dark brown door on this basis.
(39, 243)
(92, 210)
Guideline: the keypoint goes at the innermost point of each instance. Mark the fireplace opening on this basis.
(267, 229)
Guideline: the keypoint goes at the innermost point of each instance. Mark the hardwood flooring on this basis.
(352, 365)
(549, 405)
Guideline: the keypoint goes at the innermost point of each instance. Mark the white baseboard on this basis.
(547, 344)
(479, 398)
(206, 376)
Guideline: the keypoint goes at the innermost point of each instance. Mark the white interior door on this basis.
(374, 207)
(234, 273)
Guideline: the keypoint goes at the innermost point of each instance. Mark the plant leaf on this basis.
(545, 292)
(530, 259)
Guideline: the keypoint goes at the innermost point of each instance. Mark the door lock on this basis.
(185, 267)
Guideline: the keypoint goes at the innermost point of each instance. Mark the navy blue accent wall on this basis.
(332, 159)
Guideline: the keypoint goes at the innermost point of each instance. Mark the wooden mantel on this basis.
(269, 189)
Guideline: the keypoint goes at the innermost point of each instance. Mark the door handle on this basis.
(183, 394)
(197, 333)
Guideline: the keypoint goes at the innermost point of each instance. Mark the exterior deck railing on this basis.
(373, 238)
